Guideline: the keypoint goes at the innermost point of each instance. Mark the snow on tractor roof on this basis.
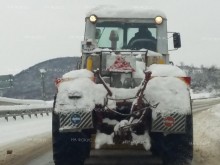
(116, 12)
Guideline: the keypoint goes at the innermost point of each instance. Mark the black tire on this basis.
(174, 149)
(70, 148)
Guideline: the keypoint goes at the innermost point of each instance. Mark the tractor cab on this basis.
(118, 42)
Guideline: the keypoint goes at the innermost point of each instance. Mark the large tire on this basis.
(70, 148)
(174, 149)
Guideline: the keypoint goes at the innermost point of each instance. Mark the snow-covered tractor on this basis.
(125, 91)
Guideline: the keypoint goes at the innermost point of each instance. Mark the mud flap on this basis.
(75, 121)
(173, 123)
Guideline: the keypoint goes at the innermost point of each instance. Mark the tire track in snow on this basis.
(206, 134)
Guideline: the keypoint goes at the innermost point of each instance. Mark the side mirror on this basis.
(176, 40)
(97, 34)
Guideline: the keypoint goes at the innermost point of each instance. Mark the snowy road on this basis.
(37, 150)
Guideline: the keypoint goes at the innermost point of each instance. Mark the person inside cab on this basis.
(142, 39)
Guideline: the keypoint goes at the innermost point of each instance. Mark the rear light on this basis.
(187, 80)
(89, 64)
(58, 81)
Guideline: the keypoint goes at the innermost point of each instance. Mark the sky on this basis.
(38, 30)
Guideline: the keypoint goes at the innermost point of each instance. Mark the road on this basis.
(202, 156)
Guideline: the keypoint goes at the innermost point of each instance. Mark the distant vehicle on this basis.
(124, 92)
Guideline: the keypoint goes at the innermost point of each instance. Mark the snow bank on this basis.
(166, 70)
(16, 130)
(111, 11)
(21, 101)
(203, 94)
(200, 95)
(26, 107)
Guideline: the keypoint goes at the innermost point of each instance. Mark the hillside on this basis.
(27, 84)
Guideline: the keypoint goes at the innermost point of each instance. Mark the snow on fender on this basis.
(82, 73)
(79, 83)
(171, 93)
(166, 70)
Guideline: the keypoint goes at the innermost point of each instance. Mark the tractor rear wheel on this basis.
(174, 149)
(71, 148)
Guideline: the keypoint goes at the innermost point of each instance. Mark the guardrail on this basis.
(21, 111)
(29, 110)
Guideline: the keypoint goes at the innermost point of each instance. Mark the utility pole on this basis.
(42, 72)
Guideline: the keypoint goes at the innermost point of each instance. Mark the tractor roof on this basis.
(116, 12)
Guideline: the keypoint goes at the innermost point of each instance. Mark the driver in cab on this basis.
(143, 39)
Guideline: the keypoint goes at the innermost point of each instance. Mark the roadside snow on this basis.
(21, 101)
(206, 136)
(204, 94)
(26, 107)
(15, 130)
(200, 95)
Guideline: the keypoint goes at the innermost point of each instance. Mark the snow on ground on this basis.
(200, 95)
(21, 101)
(204, 94)
(15, 130)
(26, 107)
(206, 137)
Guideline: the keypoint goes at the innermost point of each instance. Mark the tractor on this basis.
(125, 91)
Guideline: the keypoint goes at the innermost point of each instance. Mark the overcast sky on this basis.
(32, 31)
